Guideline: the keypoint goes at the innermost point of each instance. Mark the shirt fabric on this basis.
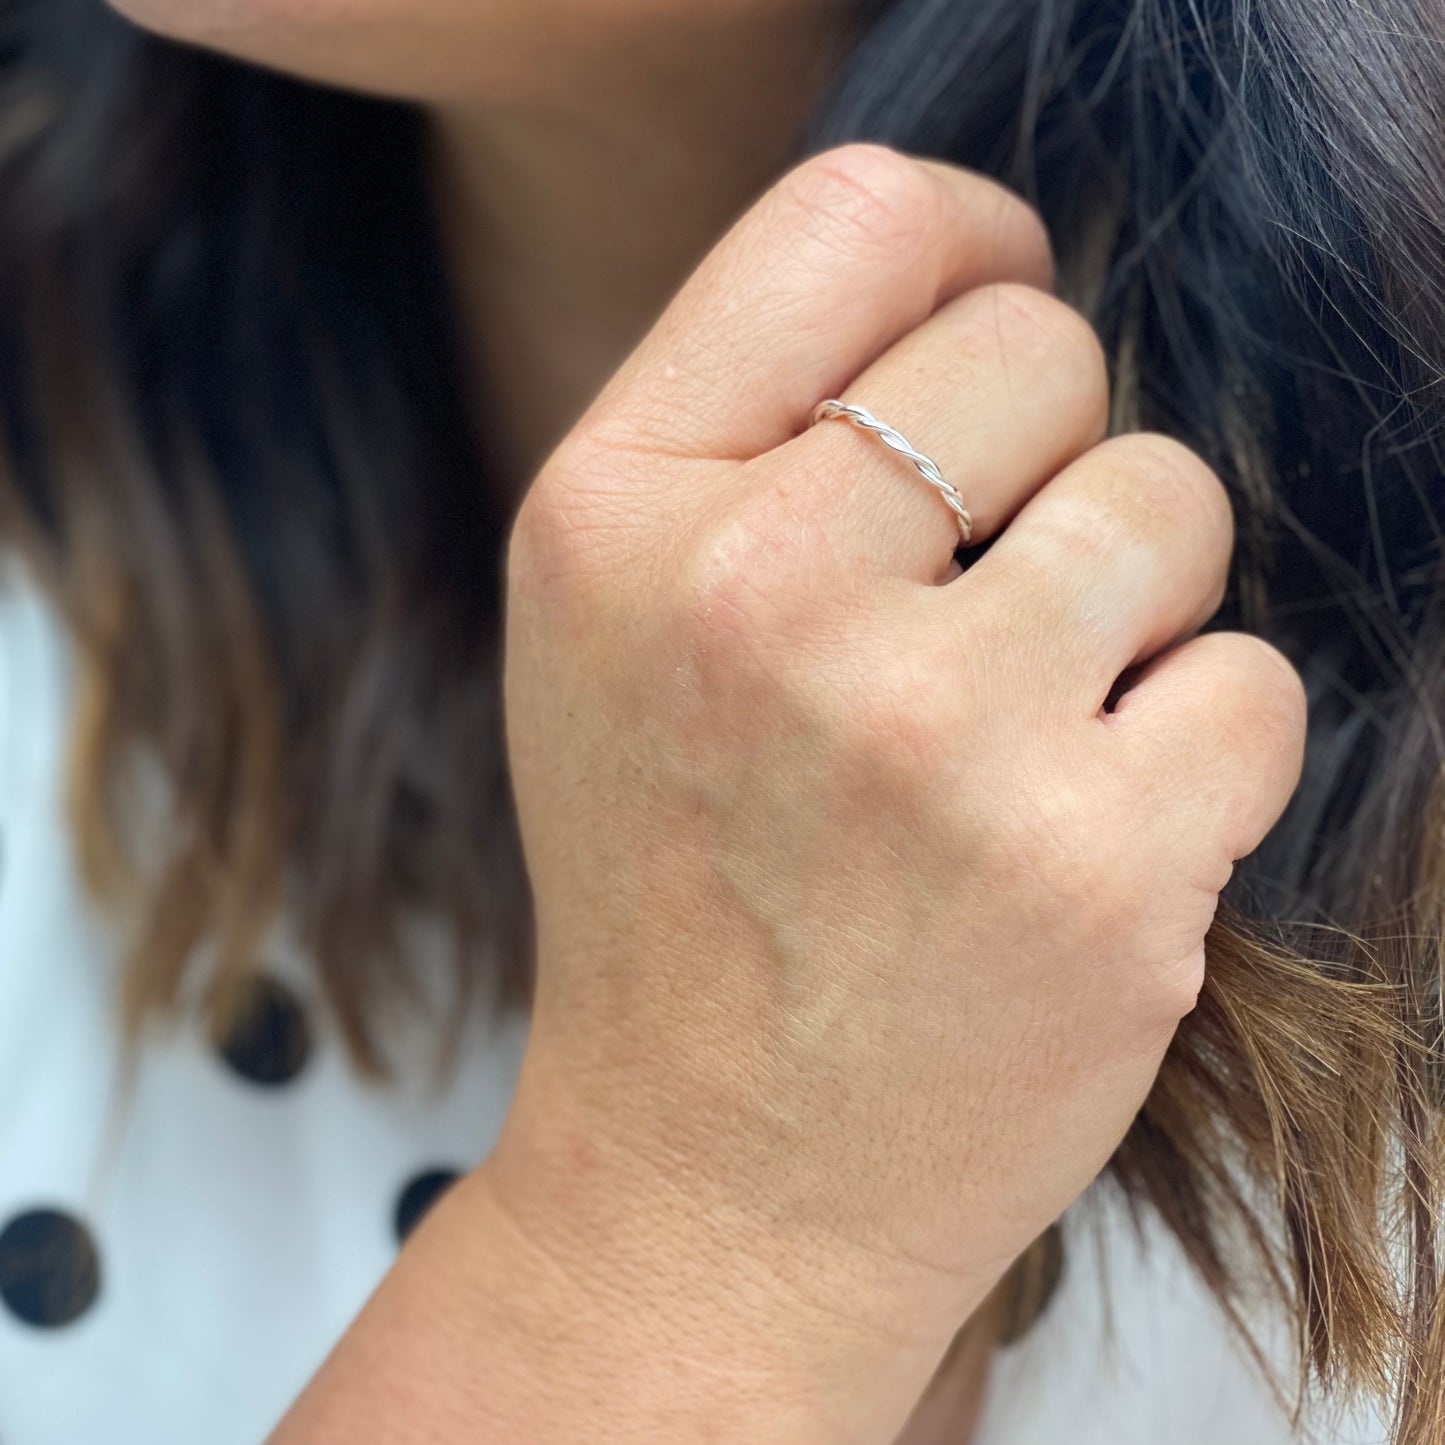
(180, 1246)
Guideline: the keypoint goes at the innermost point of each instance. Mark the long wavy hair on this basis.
(238, 450)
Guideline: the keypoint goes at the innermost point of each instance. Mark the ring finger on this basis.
(1001, 388)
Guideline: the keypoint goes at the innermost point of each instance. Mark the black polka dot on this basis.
(262, 1032)
(49, 1268)
(419, 1195)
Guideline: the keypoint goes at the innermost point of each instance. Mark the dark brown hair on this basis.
(236, 452)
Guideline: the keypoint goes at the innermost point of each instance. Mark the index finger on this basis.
(846, 254)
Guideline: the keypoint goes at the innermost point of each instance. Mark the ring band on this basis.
(926, 467)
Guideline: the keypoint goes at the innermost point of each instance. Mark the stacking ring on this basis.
(926, 467)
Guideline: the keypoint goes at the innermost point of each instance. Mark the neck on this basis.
(573, 215)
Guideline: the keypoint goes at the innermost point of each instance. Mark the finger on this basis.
(1219, 724)
(1122, 554)
(1001, 388)
(850, 251)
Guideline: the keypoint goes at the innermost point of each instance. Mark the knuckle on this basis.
(1016, 228)
(900, 718)
(1176, 992)
(543, 546)
(572, 528)
(1163, 483)
(1037, 334)
(1041, 326)
(1174, 477)
(732, 580)
(1037, 836)
(865, 196)
(1274, 696)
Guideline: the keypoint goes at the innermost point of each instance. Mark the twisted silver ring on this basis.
(927, 468)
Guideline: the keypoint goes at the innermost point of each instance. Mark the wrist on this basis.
(605, 1343)
(687, 1313)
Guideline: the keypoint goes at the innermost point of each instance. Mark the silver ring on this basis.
(927, 468)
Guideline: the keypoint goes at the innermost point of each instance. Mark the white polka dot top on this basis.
(178, 1254)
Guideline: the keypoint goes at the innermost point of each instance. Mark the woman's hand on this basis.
(864, 920)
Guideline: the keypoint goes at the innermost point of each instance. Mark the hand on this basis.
(865, 916)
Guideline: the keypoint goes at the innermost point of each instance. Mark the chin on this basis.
(206, 21)
(269, 32)
(500, 51)
(409, 49)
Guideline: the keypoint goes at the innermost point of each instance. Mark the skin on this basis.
(863, 927)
